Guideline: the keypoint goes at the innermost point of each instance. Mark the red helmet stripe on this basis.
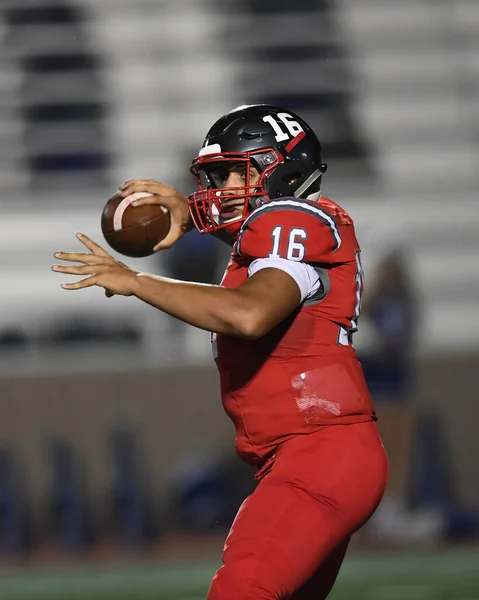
(295, 141)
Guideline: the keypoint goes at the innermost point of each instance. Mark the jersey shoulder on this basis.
(294, 229)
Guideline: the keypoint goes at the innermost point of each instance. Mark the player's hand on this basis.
(164, 195)
(100, 268)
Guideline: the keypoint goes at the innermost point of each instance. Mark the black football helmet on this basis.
(278, 143)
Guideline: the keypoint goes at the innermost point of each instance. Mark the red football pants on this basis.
(290, 536)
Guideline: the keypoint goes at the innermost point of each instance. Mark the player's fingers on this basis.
(136, 186)
(129, 182)
(92, 246)
(142, 198)
(132, 188)
(84, 283)
(75, 269)
(84, 257)
(156, 188)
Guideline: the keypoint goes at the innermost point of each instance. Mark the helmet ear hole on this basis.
(291, 177)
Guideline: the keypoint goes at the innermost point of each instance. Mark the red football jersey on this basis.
(304, 373)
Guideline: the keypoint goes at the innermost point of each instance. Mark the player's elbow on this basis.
(251, 324)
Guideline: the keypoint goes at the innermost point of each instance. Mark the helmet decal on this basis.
(210, 149)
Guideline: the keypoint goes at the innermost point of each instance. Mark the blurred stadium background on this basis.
(117, 472)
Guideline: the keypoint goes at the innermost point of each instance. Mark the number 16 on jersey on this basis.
(295, 249)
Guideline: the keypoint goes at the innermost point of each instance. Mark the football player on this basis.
(282, 323)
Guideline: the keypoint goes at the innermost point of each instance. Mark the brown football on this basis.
(134, 231)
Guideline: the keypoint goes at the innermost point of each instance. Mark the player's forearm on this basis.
(210, 307)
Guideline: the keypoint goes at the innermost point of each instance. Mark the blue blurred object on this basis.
(67, 497)
(129, 499)
(195, 243)
(13, 538)
(203, 499)
(195, 257)
(389, 371)
(433, 485)
(461, 524)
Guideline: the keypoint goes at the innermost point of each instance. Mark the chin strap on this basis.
(315, 175)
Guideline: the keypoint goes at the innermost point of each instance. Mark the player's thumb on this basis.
(173, 235)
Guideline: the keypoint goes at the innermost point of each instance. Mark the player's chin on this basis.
(233, 208)
(228, 212)
(231, 214)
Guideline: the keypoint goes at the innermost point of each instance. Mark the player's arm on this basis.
(249, 311)
(269, 295)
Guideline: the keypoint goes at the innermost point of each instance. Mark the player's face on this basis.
(227, 186)
(232, 208)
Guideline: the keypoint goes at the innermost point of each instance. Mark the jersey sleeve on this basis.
(307, 279)
(291, 229)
